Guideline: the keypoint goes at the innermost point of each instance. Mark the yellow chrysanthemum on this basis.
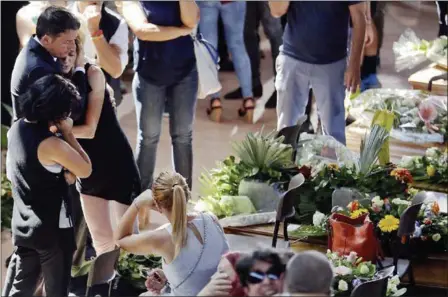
(333, 166)
(357, 213)
(389, 223)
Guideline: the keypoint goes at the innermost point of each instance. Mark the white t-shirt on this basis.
(120, 38)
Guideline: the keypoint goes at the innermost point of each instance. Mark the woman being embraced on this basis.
(191, 244)
(115, 178)
(41, 145)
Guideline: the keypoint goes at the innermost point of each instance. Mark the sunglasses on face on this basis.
(256, 277)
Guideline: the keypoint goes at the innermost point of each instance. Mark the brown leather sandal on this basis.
(215, 112)
(247, 112)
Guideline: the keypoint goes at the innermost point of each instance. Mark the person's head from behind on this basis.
(57, 29)
(310, 273)
(49, 100)
(261, 274)
(171, 193)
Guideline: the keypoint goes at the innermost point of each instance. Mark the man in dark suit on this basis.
(56, 31)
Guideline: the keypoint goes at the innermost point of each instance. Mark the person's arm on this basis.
(352, 75)
(95, 101)
(108, 55)
(189, 13)
(219, 285)
(145, 31)
(25, 27)
(68, 153)
(278, 8)
(120, 44)
(147, 242)
(370, 34)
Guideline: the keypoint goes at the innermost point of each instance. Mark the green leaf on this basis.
(4, 137)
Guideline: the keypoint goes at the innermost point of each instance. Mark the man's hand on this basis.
(370, 35)
(92, 14)
(352, 77)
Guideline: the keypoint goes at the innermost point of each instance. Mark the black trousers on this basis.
(54, 264)
(442, 8)
(258, 12)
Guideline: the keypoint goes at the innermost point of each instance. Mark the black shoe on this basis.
(226, 66)
(350, 120)
(272, 102)
(237, 94)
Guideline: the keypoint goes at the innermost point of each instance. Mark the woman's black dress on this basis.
(115, 175)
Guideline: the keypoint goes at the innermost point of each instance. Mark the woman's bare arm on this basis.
(94, 105)
(68, 154)
(147, 242)
(136, 19)
(189, 13)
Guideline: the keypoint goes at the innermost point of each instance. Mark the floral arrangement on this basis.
(382, 181)
(432, 225)
(350, 271)
(414, 111)
(432, 167)
(261, 157)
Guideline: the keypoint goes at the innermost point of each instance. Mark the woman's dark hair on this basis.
(55, 20)
(245, 264)
(50, 98)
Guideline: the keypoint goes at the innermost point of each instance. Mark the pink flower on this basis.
(427, 111)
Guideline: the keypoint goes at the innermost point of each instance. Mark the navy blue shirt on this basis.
(164, 62)
(316, 32)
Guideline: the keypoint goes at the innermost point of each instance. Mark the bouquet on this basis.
(432, 225)
(350, 271)
(410, 51)
(432, 167)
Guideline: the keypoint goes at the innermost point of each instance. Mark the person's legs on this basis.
(442, 7)
(97, 216)
(252, 43)
(273, 29)
(369, 79)
(25, 272)
(233, 16)
(327, 82)
(292, 85)
(182, 99)
(149, 106)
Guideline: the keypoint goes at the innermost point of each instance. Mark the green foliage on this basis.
(132, 267)
(6, 203)
(266, 155)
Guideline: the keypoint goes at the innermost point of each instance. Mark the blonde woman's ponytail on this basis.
(179, 218)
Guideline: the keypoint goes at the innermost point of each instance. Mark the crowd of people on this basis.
(67, 145)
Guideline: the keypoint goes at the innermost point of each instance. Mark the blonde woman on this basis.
(191, 244)
(26, 18)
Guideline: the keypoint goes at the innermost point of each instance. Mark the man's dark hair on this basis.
(55, 20)
(245, 264)
(50, 98)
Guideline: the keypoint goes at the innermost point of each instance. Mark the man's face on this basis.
(263, 281)
(61, 45)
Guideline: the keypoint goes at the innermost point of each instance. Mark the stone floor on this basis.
(213, 141)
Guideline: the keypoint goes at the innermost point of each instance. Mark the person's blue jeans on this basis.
(150, 102)
(292, 83)
(233, 16)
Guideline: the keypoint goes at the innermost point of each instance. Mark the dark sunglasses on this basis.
(256, 277)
